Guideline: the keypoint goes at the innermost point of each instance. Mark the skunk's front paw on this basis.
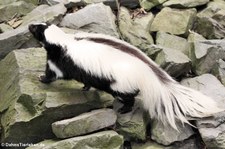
(44, 79)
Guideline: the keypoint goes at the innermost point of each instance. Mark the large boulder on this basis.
(174, 21)
(205, 54)
(29, 107)
(211, 129)
(19, 8)
(96, 18)
(136, 31)
(100, 140)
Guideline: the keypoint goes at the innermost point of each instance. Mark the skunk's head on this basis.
(38, 31)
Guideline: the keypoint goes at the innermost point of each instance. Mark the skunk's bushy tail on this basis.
(171, 101)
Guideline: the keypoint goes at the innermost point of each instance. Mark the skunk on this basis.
(122, 70)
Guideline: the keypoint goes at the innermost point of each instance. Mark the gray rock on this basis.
(210, 22)
(173, 62)
(84, 123)
(45, 13)
(132, 125)
(167, 135)
(54, 2)
(186, 144)
(153, 51)
(68, 3)
(135, 31)
(112, 3)
(212, 129)
(19, 8)
(193, 142)
(126, 3)
(173, 42)
(4, 27)
(27, 104)
(100, 140)
(193, 36)
(147, 145)
(219, 70)
(185, 3)
(6, 2)
(178, 22)
(210, 28)
(21, 37)
(16, 39)
(148, 4)
(212, 8)
(93, 18)
(204, 55)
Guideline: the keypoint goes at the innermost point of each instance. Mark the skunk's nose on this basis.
(31, 28)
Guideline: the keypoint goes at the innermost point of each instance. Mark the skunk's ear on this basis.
(48, 24)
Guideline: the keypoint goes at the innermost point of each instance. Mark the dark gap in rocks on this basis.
(200, 8)
(153, 34)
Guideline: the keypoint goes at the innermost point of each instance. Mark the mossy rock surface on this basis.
(30, 107)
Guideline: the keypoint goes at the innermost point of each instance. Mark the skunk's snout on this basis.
(31, 28)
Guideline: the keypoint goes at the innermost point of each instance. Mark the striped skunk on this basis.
(122, 70)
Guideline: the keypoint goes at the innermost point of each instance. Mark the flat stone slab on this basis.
(84, 123)
(185, 3)
(100, 140)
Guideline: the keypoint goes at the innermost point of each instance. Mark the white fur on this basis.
(131, 74)
(55, 69)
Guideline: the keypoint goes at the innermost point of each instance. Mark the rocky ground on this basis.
(185, 37)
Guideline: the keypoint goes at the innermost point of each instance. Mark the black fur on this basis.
(70, 71)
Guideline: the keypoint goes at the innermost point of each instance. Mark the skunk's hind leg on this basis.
(128, 104)
(127, 100)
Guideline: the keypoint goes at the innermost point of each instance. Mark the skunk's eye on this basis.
(32, 28)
